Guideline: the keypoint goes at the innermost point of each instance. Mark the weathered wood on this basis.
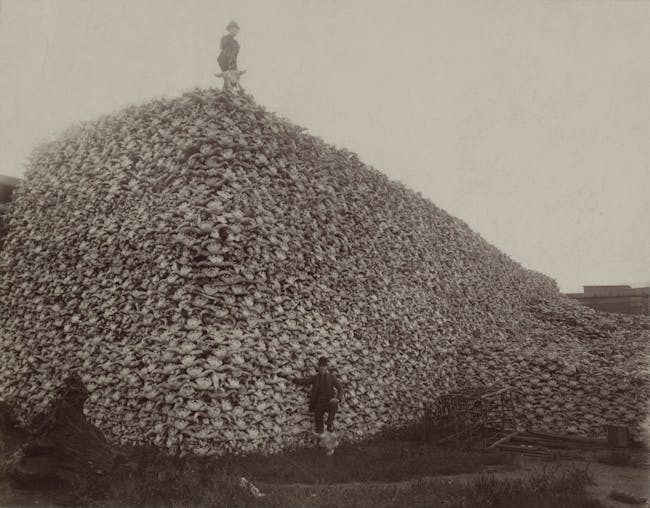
(576, 439)
(473, 412)
(503, 440)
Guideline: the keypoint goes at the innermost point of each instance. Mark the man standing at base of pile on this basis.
(227, 59)
(322, 398)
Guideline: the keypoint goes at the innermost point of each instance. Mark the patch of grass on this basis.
(150, 479)
(545, 489)
(615, 458)
(625, 498)
(379, 462)
(548, 489)
(416, 431)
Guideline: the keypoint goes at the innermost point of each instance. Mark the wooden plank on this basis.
(495, 393)
(580, 439)
(539, 453)
(503, 439)
(535, 440)
(559, 444)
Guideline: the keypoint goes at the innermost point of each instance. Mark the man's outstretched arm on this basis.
(303, 381)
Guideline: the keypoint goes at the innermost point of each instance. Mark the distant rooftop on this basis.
(7, 186)
(618, 298)
(9, 180)
(615, 290)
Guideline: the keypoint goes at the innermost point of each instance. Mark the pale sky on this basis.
(529, 120)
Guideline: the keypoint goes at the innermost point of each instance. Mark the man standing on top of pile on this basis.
(228, 57)
(322, 400)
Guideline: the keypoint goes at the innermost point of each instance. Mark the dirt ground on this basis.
(631, 478)
(390, 470)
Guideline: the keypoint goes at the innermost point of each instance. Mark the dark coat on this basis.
(229, 50)
(322, 389)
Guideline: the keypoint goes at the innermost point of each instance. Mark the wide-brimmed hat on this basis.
(232, 24)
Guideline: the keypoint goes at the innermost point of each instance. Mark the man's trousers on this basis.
(319, 416)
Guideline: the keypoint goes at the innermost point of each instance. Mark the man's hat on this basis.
(232, 24)
(322, 361)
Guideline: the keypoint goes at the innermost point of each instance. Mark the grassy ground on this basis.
(374, 475)
(391, 461)
(544, 489)
(389, 471)
(541, 490)
(616, 458)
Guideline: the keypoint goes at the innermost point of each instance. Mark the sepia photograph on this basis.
(324, 254)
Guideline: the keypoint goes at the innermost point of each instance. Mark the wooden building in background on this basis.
(618, 299)
(7, 186)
